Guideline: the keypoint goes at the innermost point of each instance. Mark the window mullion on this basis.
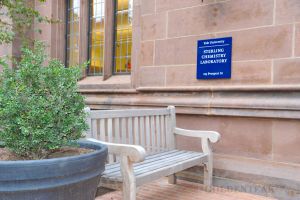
(109, 38)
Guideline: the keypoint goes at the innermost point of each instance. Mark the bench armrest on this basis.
(135, 153)
(211, 135)
(206, 138)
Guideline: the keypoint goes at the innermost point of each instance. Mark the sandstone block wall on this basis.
(265, 40)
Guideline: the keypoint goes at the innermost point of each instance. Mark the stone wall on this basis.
(256, 111)
(5, 49)
(52, 35)
(265, 40)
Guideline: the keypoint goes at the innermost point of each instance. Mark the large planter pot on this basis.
(67, 178)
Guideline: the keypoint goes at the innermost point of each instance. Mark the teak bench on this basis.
(147, 151)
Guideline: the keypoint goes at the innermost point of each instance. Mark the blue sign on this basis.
(214, 58)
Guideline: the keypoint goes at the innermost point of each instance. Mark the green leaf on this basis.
(3, 62)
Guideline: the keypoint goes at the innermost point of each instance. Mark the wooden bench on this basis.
(141, 146)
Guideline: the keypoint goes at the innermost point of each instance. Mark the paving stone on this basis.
(183, 190)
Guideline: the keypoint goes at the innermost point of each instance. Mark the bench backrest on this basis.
(150, 128)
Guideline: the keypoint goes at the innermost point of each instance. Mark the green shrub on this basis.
(40, 107)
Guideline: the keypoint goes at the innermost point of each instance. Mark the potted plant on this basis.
(41, 120)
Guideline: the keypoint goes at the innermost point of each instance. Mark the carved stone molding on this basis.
(266, 104)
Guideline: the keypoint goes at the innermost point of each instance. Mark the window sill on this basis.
(118, 83)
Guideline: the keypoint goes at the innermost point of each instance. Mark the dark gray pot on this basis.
(68, 178)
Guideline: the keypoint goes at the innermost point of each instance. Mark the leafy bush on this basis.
(40, 107)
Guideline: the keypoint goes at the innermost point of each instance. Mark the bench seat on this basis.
(153, 167)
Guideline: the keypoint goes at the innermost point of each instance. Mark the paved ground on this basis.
(182, 191)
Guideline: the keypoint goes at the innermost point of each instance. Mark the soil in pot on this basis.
(6, 155)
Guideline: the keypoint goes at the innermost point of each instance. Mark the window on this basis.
(109, 35)
(96, 35)
(123, 37)
(72, 35)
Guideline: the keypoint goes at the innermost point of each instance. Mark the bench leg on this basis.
(129, 184)
(208, 166)
(129, 192)
(208, 173)
(172, 179)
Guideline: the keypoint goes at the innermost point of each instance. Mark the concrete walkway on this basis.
(183, 190)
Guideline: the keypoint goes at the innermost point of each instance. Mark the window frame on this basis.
(89, 38)
(115, 38)
(67, 16)
(85, 39)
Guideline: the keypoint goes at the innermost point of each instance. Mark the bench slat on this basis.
(94, 129)
(152, 128)
(117, 130)
(101, 114)
(157, 127)
(110, 138)
(136, 131)
(163, 132)
(116, 134)
(89, 132)
(130, 131)
(142, 131)
(123, 130)
(168, 130)
(102, 130)
(148, 140)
